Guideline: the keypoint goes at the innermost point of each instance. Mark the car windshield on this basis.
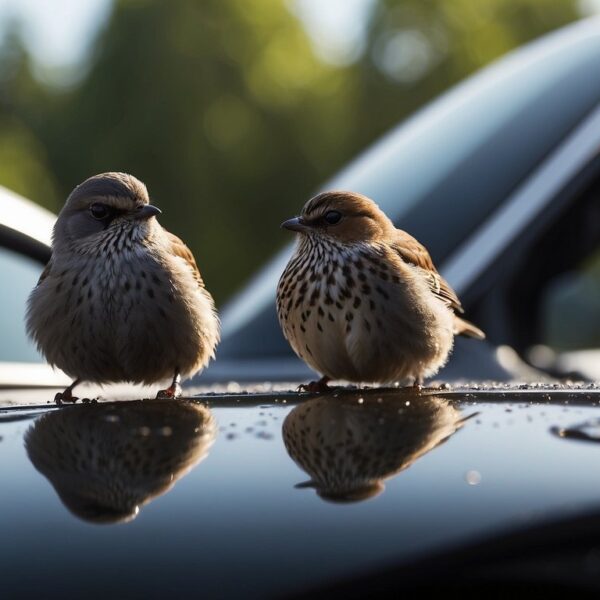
(451, 165)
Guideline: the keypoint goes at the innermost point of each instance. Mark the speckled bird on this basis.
(121, 299)
(361, 301)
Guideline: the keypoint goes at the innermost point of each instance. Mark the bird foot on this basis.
(65, 397)
(315, 387)
(173, 391)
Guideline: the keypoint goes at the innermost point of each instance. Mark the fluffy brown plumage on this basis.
(361, 300)
(121, 299)
(349, 448)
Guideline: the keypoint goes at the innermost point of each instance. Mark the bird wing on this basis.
(414, 253)
(180, 249)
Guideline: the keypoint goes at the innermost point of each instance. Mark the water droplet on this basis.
(473, 477)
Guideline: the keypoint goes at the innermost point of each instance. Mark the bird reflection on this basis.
(107, 460)
(349, 445)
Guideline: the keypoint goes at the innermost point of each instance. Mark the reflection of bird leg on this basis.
(315, 387)
(174, 390)
(67, 395)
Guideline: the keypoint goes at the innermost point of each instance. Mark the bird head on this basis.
(103, 203)
(345, 217)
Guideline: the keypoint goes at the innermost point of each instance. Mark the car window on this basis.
(571, 308)
(19, 276)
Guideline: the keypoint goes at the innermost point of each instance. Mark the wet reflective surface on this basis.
(107, 460)
(349, 446)
(264, 496)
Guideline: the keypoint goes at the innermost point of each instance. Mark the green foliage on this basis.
(24, 165)
(223, 110)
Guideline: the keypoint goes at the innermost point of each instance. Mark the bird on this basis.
(121, 299)
(362, 301)
(350, 444)
(107, 460)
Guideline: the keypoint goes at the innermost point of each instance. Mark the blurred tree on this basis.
(222, 108)
(24, 166)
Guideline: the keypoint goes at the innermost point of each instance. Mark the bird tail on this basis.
(462, 327)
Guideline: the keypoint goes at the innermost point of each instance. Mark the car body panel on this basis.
(452, 468)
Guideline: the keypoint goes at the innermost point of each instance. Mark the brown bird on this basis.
(350, 444)
(361, 300)
(121, 298)
(105, 461)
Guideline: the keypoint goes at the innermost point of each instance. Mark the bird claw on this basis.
(418, 386)
(314, 387)
(65, 398)
(173, 391)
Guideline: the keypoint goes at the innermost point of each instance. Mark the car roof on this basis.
(25, 226)
(20, 214)
(273, 494)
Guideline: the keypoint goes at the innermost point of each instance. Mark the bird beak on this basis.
(305, 484)
(146, 211)
(295, 224)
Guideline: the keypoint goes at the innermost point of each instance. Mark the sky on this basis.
(58, 32)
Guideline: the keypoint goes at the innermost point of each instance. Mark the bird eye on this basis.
(99, 211)
(333, 217)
